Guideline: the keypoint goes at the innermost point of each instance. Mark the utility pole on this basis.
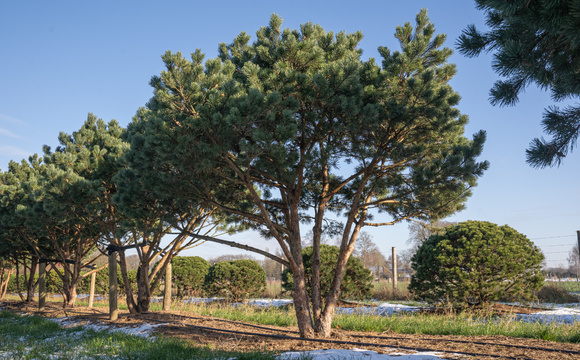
(578, 265)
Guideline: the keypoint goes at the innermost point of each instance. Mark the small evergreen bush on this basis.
(356, 283)
(475, 263)
(189, 275)
(235, 280)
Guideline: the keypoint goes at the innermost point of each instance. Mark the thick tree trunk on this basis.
(70, 296)
(128, 291)
(69, 288)
(143, 291)
(4, 281)
(30, 283)
(323, 326)
(300, 297)
(18, 290)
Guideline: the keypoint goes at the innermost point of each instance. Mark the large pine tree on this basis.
(295, 129)
(534, 42)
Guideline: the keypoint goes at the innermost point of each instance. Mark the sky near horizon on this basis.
(61, 60)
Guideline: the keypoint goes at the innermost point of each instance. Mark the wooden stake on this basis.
(113, 310)
(42, 286)
(168, 285)
(92, 289)
(394, 268)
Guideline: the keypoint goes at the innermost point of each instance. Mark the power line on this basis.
(554, 237)
(569, 244)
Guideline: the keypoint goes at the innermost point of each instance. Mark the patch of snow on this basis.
(357, 354)
(143, 330)
(384, 309)
(200, 300)
(556, 315)
(269, 302)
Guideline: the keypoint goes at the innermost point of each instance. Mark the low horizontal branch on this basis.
(239, 246)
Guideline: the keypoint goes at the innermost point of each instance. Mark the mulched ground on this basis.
(181, 324)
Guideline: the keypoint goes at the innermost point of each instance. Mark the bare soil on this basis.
(238, 336)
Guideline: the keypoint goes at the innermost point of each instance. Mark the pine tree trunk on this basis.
(128, 291)
(69, 287)
(300, 297)
(143, 291)
(70, 296)
(4, 282)
(30, 284)
(18, 290)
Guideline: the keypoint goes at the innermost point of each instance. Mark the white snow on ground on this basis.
(356, 354)
(269, 302)
(143, 330)
(556, 315)
(384, 309)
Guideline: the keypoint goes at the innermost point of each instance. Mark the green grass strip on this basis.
(409, 323)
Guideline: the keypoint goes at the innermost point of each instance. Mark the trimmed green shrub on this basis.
(189, 275)
(235, 280)
(356, 282)
(475, 263)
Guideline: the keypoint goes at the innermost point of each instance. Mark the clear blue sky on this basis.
(61, 60)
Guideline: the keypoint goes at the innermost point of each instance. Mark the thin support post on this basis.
(92, 289)
(578, 265)
(168, 285)
(41, 286)
(113, 310)
(394, 269)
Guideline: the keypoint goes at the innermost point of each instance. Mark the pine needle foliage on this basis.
(534, 42)
(295, 130)
(475, 263)
(356, 283)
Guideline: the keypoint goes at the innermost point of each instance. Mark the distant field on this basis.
(571, 286)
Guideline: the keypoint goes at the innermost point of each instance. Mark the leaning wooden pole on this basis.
(168, 285)
(394, 269)
(42, 286)
(113, 310)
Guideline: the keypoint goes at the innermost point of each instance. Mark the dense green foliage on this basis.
(235, 280)
(474, 263)
(189, 275)
(534, 41)
(356, 283)
(263, 132)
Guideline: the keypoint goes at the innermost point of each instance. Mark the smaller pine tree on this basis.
(356, 283)
(475, 263)
(189, 274)
(235, 280)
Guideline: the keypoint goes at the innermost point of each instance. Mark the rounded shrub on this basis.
(475, 263)
(356, 283)
(235, 280)
(189, 274)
